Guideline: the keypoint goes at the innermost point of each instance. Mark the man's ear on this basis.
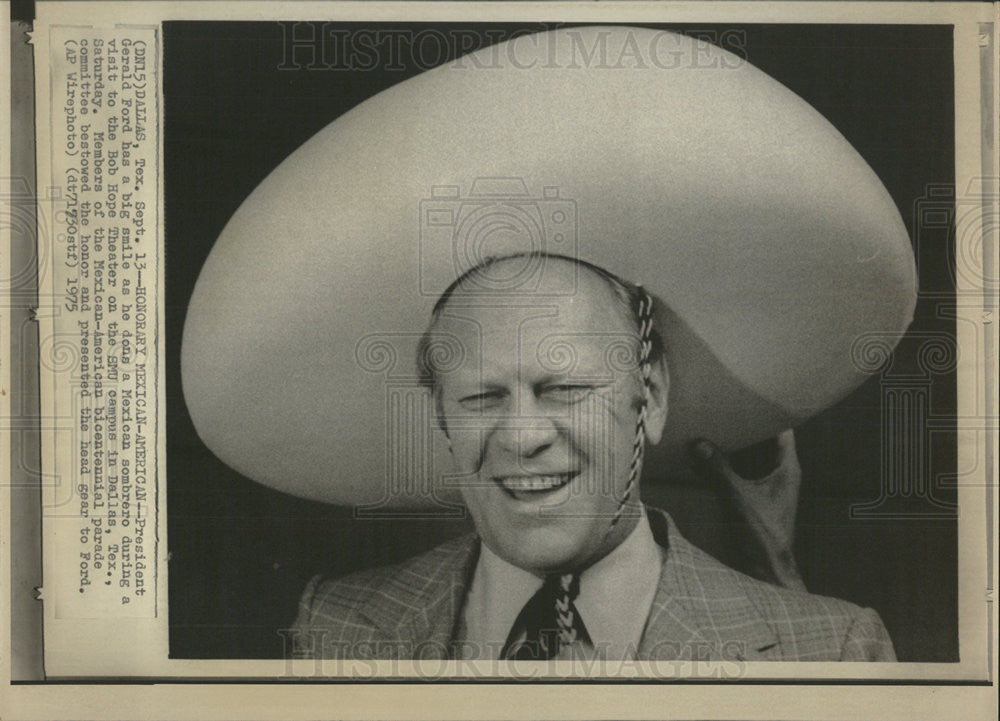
(656, 404)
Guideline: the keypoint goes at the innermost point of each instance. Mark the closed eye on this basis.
(566, 392)
(482, 401)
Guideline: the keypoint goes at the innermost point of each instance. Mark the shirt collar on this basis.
(498, 592)
(616, 594)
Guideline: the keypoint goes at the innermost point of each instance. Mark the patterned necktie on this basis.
(549, 620)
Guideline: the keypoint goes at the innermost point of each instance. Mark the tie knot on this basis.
(563, 585)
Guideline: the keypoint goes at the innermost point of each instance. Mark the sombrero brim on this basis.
(773, 244)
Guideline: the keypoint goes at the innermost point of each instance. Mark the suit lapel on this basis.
(418, 606)
(700, 610)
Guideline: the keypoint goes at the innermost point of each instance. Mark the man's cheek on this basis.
(467, 450)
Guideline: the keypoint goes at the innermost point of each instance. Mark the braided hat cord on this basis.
(645, 319)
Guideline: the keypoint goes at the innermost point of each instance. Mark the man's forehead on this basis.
(586, 332)
(592, 306)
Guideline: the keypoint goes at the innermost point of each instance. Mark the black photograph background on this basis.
(875, 526)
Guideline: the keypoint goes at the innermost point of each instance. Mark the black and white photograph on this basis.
(500, 360)
(509, 341)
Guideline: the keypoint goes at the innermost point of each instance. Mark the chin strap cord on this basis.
(644, 316)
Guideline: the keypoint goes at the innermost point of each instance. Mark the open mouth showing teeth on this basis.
(530, 487)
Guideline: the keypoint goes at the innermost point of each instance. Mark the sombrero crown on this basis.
(770, 240)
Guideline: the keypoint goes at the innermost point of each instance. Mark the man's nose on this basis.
(528, 430)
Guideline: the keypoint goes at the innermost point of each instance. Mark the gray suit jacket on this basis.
(702, 610)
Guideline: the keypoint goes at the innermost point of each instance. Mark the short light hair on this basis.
(629, 296)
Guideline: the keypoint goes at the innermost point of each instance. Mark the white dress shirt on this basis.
(616, 594)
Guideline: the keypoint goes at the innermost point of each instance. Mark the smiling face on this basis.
(541, 417)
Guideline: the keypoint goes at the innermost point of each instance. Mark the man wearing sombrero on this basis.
(390, 253)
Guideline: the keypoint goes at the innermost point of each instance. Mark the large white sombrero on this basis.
(691, 172)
